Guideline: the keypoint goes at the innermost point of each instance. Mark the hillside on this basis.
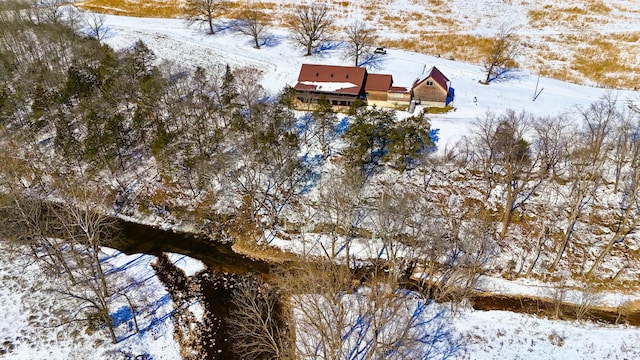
(580, 41)
(279, 63)
(143, 129)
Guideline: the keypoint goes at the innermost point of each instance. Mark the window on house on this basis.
(429, 83)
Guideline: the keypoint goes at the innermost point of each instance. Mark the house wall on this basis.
(334, 98)
(396, 97)
(394, 100)
(433, 93)
(438, 104)
(376, 95)
(308, 100)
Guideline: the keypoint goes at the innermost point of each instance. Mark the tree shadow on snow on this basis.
(225, 27)
(373, 61)
(327, 48)
(271, 40)
(509, 74)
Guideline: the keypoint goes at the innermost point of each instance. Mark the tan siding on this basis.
(399, 97)
(433, 93)
(376, 95)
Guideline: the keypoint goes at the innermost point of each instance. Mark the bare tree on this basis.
(51, 11)
(324, 118)
(337, 318)
(67, 237)
(253, 22)
(95, 25)
(501, 55)
(585, 171)
(403, 222)
(626, 218)
(268, 178)
(310, 26)
(551, 144)
(258, 322)
(360, 39)
(506, 159)
(203, 12)
(341, 210)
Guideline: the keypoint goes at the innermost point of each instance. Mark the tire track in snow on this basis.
(167, 47)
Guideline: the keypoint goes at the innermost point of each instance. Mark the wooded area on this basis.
(555, 196)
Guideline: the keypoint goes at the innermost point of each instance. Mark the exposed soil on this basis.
(552, 309)
(137, 238)
(213, 287)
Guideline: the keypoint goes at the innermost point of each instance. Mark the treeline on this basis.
(88, 131)
(166, 138)
(98, 131)
(210, 147)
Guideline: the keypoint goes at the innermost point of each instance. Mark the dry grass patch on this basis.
(625, 37)
(139, 8)
(601, 62)
(405, 43)
(388, 19)
(598, 7)
(342, 3)
(445, 21)
(453, 46)
(563, 74)
(153, 9)
(551, 16)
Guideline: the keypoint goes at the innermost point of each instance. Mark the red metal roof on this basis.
(437, 76)
(378, 82)
(399, 89)
(328, 78)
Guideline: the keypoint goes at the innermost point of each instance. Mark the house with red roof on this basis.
(382, 93)
(433, 89)
(342, 85)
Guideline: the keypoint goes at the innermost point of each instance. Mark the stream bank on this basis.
(225, 266)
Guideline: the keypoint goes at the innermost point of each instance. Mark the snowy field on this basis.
(490, 335)
(28, 329)
(280, 61)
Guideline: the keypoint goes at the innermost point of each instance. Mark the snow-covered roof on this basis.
(329, 78)
(329, 86)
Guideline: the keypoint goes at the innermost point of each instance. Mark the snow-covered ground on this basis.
(30, 322)
(492, 334)
(29, 331)
(504, 335)
(280, 62)
(29, 328)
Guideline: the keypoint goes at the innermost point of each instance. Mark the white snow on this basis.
(189, 265)
(280, 64)
(29, 322)
(490, 335)
(503, 335)
(329, 86)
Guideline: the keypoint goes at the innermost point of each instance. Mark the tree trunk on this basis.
(602, 254)
(541, 241)
(489, 71)
(210, 21)
(567, 237)
(508, 210)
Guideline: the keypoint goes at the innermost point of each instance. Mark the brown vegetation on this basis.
(437, 32)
